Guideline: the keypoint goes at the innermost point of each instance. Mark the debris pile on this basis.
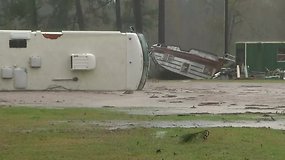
(195, 137)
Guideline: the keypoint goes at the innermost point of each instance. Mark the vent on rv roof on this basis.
(18, 43)
(21, 35)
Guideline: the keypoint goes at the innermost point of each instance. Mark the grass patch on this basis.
(243, 80)
(31, 134)
(225, 117)
(44, 115)
(212, 117)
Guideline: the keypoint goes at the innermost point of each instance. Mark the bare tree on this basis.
(34, 15)
(137, 15)
(233, 19)
(79, 15)
(161, 21)
(118, 15)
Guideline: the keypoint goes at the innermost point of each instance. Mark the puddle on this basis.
(113, 125)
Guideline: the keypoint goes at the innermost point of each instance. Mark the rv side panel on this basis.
(73, 60)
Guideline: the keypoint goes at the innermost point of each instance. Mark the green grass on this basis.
(85, 114)
(33, 134)
(221, 117)
(243, 80)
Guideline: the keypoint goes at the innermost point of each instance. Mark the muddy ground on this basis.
(166, 97)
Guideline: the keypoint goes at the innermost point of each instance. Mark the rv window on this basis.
(185, 67)
(281, 55)
(18, 43)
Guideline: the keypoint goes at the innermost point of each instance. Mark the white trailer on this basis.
(72, 60)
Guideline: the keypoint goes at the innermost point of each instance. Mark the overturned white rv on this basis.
(73, 60)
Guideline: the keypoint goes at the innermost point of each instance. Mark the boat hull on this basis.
(193, 64)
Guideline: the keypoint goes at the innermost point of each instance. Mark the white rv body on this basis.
(73, 60)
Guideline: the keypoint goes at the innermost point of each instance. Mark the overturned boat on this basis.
(194, 64)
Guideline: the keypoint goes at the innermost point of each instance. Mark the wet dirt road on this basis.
(170, 97)
(166, 97)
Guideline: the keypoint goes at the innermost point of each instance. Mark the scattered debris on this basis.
(3, 100)
(274, 74)
(271, 117)
(154, 96)
(250, 86)
(187, 98)
(162, 88)
(266, 117)
(158, 151)
(258, 105)
(280, 107)
(258, 108)
(108, 106)
(176, 102)
(209, 103)
(169, 96)
(128, 92)
(152, 92)
(225, 74)
(198, 136)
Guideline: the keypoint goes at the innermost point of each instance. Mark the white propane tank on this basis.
(20, 78)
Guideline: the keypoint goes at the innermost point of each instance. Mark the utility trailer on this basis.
(72, 60)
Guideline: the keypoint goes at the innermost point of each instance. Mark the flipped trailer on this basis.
(72, 60)
(194, 64)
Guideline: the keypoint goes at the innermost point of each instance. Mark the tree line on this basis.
(56, 15)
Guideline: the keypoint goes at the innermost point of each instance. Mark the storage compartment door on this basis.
(20, 78)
